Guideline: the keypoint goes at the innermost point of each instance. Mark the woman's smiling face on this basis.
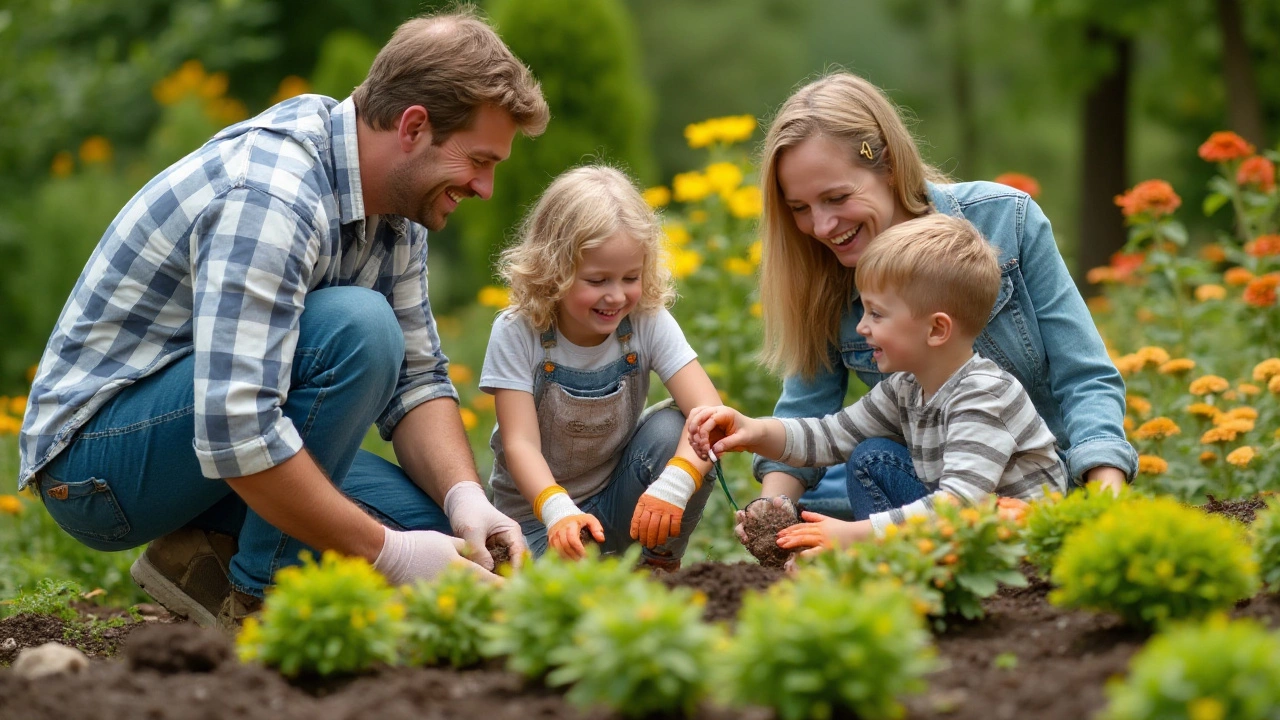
(834, 200)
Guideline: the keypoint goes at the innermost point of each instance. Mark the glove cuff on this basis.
(393, 559)
(556, 508)
(675, 485)
(462, 493)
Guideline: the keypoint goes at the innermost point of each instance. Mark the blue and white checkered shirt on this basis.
(215, 256)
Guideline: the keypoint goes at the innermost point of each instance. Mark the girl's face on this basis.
(834, 200)
(606, 286)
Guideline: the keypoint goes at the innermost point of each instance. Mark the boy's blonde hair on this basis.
(935, 263)
(581, 209)
(804, 290)
(451, 64)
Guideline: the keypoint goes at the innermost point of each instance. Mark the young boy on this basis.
(928, 286)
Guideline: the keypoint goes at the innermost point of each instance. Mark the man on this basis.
(254, 309)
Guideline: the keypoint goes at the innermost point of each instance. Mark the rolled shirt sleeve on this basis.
(251, 260)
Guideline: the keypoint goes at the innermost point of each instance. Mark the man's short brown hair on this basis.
(451, 64)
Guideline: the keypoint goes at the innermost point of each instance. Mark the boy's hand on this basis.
(566, 535)
(661, 508)
(706, 422)
(819, 532)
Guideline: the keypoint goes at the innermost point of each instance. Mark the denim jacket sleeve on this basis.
(1081, 377)
(819, 396)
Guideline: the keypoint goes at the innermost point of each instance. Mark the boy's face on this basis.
(900, 340)
(605, 288)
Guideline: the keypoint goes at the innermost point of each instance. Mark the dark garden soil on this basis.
(1025, 659)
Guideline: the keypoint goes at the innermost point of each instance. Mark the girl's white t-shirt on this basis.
(515, 350)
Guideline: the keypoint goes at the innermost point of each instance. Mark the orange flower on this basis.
(1213, 253)
(1152, 355)
(1152, 465)
(63, 164)
(1208, 384)
(1025, 183)
(1208, 457)
(1273, 386)
(1263, 246)
(1266, 369)
(1099, 304)
(1259, 171)
(1203, 410)
(1224, 145)
(1138, 404)
(1241, 457)
(1218, 435)
(1237, 276)
(1151, 197)
(1157, 429)
(1205, 293)
(1099, 275)
(1177, 366)
(95, 149)
(1261, 291)
(1244, 411)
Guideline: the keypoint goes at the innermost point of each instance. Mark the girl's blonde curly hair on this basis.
(581, 209)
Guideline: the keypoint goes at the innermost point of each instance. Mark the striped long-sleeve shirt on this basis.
(979, 434)
(215, 257)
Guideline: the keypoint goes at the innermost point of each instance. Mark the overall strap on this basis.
(624, 334)
(548, 342)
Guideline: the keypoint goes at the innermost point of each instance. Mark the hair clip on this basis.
(866, 151)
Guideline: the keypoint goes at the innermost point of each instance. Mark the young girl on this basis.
(568, 364)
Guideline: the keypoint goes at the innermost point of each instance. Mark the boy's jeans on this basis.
(131, 475)
(642, 461)
(878, 477)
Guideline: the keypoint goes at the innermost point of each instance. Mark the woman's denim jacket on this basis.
(1039, 330)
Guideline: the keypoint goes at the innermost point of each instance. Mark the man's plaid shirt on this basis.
(215, 256)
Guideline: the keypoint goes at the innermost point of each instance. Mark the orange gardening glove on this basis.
(565, 522)
(661, 508)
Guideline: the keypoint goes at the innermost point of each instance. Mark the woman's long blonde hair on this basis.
(804, 290)
(580, 210)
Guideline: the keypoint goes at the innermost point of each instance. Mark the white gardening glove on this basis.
(475, 519)
(414, 555)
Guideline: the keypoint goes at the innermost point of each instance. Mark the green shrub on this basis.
(1051, 520)
(1152, 560)
(643, 652)
(1266, 544)
(445, 618)
(51, 597)
(335, 616)
(808, 647)
(1219, 669)
(895, 559)
(539, 608)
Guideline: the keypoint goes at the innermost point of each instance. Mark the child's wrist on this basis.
(677, 483)
(553, 505)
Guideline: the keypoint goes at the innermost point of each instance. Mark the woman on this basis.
(839, 168)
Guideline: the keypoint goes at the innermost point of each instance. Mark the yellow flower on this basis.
(677, 235)
(1128, 424)
(213, 87)
(890, 531)
(699, 135)
(690, 187)
(10, 504)
(744, 203)
(1152, 355)
(9, 425)
(755, 252)
(1205, 293)
(1240, 425)
(96, 149)
(684, 263)
(1242, 456)
(482, 402)
(226, 110)
(1243, 412)
(1208, 457)
(290, 86)
(494, 297)
(17, 405)
(727, 130)
(1152, 465)
(184, 81)
(1177, 366)
(63, 164)
(1137, 404)
(1208, 384)
(1218, 435)
(723, 177)
(738, 266)
(1273, 385)
(1248, 389)
(460, 374)
(657, 197)
(31, 373)
(1206, 708)
(1203, 410)
(447, 604)
(1266, 369)
(1157, 429)
(757, 310)
(469, 419)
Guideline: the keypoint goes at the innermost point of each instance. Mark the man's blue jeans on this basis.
(878, 477)
(131, 474)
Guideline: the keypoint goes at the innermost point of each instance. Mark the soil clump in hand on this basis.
(764, 518)
(499, 550)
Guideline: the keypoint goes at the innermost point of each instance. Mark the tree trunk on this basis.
(1105, 145)
(1244, 111)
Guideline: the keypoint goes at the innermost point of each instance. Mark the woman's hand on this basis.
(707, 422)
(1109, 478)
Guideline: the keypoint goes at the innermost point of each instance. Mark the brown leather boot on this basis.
(188, 572)
(235, 609)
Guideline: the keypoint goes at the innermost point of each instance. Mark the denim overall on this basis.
(599, 447)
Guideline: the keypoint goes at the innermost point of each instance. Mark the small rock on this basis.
(50, 658)
(8, 644)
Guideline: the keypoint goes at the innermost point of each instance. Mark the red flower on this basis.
(1123, 265)
(1225, 145)
(1263, 246)
(1261, 291)
(1025, 183)
(1259, 171)
(1152, 197)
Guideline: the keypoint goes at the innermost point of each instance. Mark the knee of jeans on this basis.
(662, 431)
(872, 450)
(361, 324)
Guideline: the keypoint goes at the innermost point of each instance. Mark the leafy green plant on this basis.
(539, 608)
(1216, 669)
(1049, 521)
(644, 652)
(335, 616)
(1266, 544)
(893, 559)
(811, 646)
(51, 597)
(445, 618)
(1152, 560)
